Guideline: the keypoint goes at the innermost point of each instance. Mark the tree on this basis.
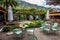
(33, 10)
(1, 2)
(7, 3)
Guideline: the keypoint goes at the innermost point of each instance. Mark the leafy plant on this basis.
(7, 3)
(14, 27)
(9, 28)
(31, 25)
(38, 22)
(6, 28)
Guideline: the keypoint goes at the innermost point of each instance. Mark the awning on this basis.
(54, 14)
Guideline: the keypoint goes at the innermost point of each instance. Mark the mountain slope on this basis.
(26, 4)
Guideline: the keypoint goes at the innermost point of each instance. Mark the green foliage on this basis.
(23, 10)
(35, 23)
(9, 28)
(31, 25)
(38, 22)
(22, 17)
(6, 3)
(14, 27)
(6, 28)
(43, 11)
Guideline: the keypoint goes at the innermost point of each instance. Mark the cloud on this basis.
(52, 6)
(38, 2)
(41, 3)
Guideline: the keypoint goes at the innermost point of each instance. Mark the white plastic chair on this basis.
(30, 31)
(45, 28)
(42, 26)
(17, 34)
(31, 35)
(17, 31)
(55, 27)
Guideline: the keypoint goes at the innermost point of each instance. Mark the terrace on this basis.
(28, 23)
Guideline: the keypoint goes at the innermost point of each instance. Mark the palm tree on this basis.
(7, 3)
(0, 1)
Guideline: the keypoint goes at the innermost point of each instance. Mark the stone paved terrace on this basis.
(40, 35)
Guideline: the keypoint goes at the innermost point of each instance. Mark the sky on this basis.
(41, 3)
(38, 2)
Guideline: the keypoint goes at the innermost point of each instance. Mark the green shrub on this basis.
(38, 23)
(14, 27)
(31, 25)
(9, 28)
(6, 29)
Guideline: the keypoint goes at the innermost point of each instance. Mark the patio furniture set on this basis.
(50, 28)
(19, 33)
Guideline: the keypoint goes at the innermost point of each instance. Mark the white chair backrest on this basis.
(55, 25)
